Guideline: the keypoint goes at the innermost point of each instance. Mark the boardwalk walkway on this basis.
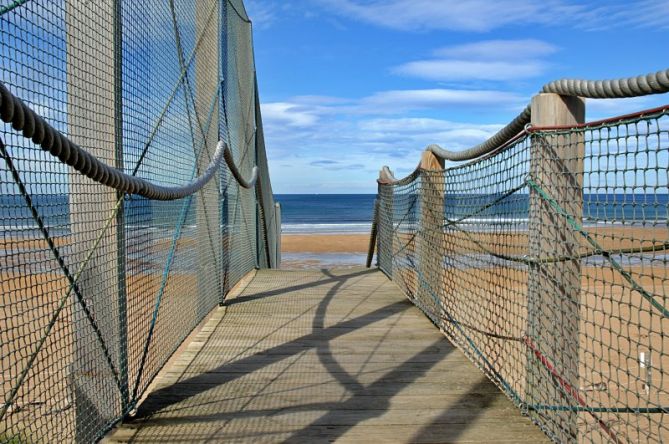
(318, 356)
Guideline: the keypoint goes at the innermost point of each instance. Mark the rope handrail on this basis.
(23, 118)
(541, 258)
(646, 84)
(386, 176)
(244, 183)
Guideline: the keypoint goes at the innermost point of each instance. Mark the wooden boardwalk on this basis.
(322, 356)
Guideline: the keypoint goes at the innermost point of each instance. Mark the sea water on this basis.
(346, 213)
(330, 214)
(326, 213)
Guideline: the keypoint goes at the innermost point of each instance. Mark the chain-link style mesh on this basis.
(546, 263)
(98, 289)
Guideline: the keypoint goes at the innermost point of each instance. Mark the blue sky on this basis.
(350, 85)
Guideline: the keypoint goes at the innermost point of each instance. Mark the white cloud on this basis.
(344, 142)
(348, 154)
(464, 15)
(308, 111)
(417, 125)
(284, 113)
(261, 12)
(498, 50)
(399, 100)
(486, 15)
(496, 60)
(652, 14)
(415, 133)
(443, 70)
(603, 108)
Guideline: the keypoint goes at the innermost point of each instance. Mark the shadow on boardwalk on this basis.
(323, 356)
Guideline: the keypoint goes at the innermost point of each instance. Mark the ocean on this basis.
(334, 214)
(326, 213)
(351, 213)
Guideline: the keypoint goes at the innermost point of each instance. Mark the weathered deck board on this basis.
(319, 356)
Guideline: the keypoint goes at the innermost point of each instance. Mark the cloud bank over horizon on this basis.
(350, 85)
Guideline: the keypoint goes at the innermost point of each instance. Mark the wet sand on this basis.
(324, 243)
(306, 251)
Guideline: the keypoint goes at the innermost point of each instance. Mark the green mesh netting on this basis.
(546, 263)
(97, 290)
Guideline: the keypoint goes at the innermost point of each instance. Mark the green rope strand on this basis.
(577, 227)
(578, 408)
(10, 7)
(549, 260)
(491, 204)
(170, 257)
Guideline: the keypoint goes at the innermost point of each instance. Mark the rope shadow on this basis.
(279, 291)
(183, 390)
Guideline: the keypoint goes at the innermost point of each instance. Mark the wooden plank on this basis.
(439, 433)
(248, 377)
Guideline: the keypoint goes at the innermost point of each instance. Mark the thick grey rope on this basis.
(22, 118)
(655, 83)
(235, 171)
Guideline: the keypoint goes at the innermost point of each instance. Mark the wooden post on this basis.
(385, 222)
(94, 110)
(225, 176)
(277, 228)
(208, 210)
(372, 237)
(430, 239)
(264, 213)
(556, 165)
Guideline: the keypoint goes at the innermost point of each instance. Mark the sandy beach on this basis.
(304, 251)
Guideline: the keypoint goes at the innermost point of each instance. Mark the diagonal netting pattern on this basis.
(99, 288)
(546, 262)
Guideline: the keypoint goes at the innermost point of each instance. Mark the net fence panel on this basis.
(97, 289)
(240, 116)
(548, 268)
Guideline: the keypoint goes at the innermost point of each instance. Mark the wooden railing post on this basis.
(277, 230)
(207, 201)
(372, 236)
(556, 166)
(94, 110)
(430, 239)
(385, 218)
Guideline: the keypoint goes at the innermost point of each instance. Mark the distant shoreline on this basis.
(326, 228)
(323, 250)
